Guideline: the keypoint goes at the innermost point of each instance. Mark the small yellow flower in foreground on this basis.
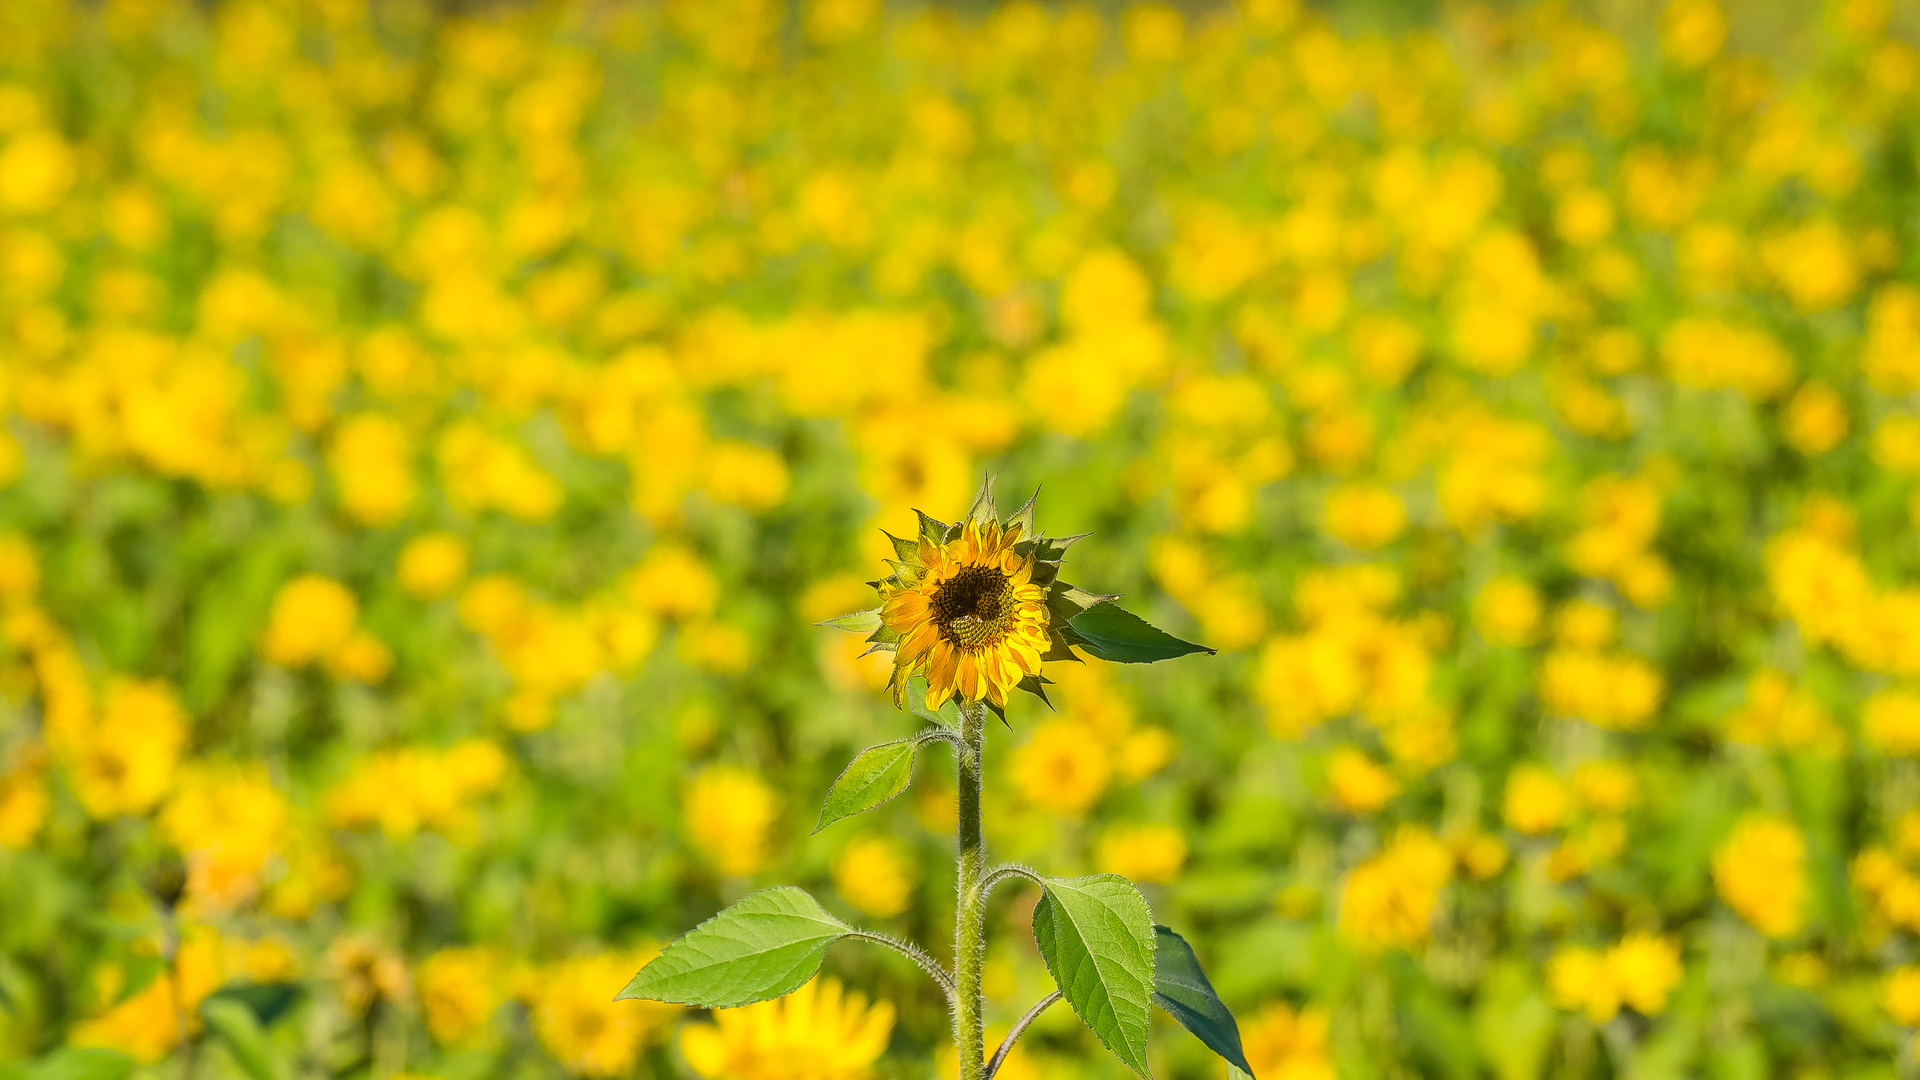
(1142, 852)
(818, 1032)
(1760, 872)
(1903, 996)
(580, 1023)
(728, 811)
(432, 564)
(1282, 1044)
(1536, 800)
(875, 875)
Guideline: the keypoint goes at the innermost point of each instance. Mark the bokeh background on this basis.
(430, 432)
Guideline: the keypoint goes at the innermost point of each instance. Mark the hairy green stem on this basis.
(969, 918)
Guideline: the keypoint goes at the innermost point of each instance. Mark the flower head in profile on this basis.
(975, 607)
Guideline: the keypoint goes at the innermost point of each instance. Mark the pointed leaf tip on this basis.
(1111, 632)
(1182, 989)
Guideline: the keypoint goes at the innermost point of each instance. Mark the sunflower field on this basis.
(430, 433)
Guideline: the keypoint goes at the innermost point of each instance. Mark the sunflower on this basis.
(974, 607)
(967, 614)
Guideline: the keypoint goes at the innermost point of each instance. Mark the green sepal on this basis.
(907, 551)
(766, 945)
(1023, 517)
(857, 622)
(1111, 632)
(1182, 989)
(1037, 686)
(982, 508)
(932, 530)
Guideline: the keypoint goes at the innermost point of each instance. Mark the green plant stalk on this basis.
(970, 915)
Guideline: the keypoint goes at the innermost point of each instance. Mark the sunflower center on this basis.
(974, 606)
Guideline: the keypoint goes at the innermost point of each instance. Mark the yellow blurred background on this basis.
(432, 430)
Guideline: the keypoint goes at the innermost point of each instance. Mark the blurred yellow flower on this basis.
(458, 991)
(1389, 900)
(1507, 611)
(311, 617)
(1287, 1044)
(876, 875)
(432, 564)
(1142, 852)
(1365, 516)
(727, 812)
(1902, 996)
(1358, 785)
(1063, 767)
(371, 461)
(1641, 970)
(1759, 870)
(818, 1032)
(1536, 800)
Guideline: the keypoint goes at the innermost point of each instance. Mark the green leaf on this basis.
(874, 776)
(768, 944)
(234, 1024)
(859, 622)
(1096, 934)
(1182, 989)
(80, 1063)
(1111, 632)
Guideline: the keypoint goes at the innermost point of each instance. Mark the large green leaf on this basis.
(768, 944)
(874, 776)
(1182, 989)
(233, 1023)
(1096, 934)
(1111, 632)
